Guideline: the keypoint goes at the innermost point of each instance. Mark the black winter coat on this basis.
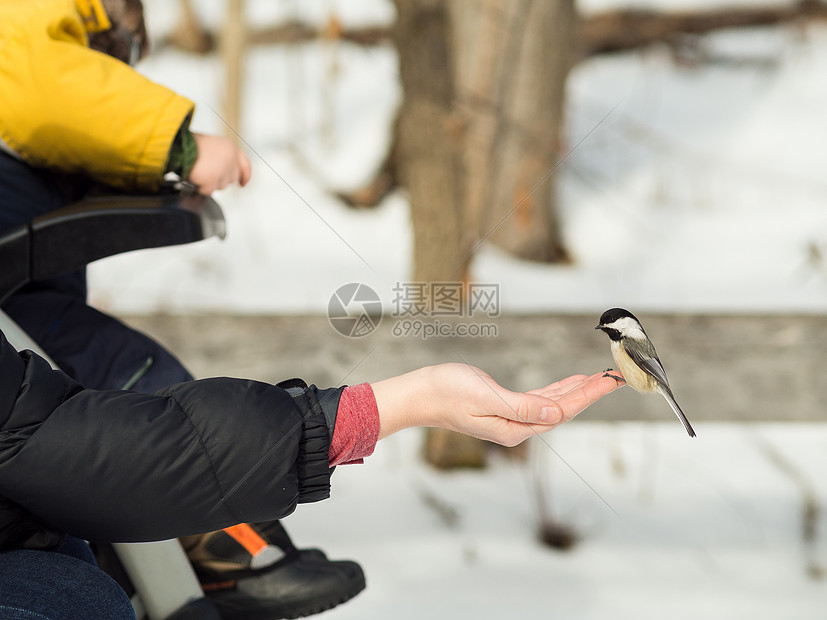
(122, 466)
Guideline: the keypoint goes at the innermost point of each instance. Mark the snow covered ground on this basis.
(691, 533)
(703, 190)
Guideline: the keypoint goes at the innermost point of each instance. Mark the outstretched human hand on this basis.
(466, 399)
(220, 163)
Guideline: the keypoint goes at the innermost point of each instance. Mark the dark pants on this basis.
(64, 584)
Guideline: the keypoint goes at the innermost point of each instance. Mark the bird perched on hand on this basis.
(636, 358)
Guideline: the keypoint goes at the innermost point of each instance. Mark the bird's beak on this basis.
(599, 327)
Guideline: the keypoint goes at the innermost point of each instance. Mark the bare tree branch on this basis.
(623, 30)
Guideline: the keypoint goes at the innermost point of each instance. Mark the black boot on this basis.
(254, 572)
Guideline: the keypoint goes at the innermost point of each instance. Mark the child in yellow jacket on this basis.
(70, 108)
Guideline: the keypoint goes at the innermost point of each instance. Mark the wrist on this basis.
(402, 401)
(183, 152)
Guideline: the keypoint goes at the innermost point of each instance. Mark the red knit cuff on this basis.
(357, 426)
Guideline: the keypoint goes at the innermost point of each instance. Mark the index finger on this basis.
(559, 386)
(587, 393)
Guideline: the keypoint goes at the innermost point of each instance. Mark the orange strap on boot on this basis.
(247, 537)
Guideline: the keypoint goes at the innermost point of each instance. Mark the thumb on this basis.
(532, 409)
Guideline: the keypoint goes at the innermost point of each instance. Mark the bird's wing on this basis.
(646, 357)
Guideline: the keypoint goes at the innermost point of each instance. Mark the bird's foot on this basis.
(607, 373)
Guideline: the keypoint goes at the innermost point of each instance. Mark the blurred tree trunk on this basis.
(431, 141)
(513, 57)
(233, 43)
(431, 148)
(478, 133)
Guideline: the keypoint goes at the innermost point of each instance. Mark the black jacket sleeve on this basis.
(122, 466)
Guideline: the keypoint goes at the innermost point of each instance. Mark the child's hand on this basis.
(466, 399)
(220, 163)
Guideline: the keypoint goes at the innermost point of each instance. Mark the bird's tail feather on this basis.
(667, 394)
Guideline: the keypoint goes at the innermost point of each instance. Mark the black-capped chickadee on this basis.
(636, 358)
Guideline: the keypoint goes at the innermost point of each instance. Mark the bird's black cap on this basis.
(612, 315)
